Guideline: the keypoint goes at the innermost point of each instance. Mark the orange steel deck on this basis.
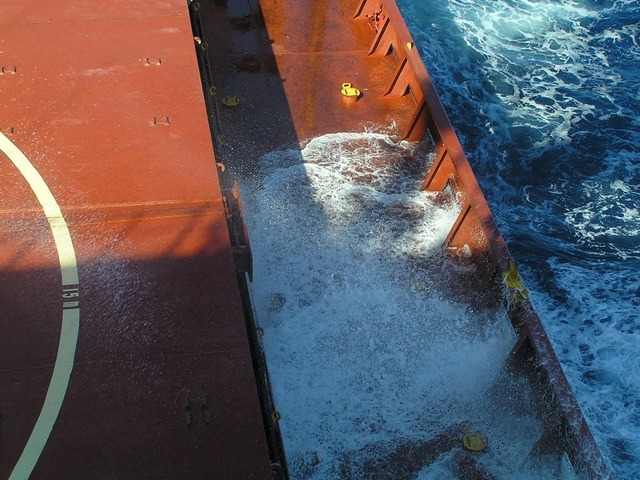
(113, 225)
(286, 62)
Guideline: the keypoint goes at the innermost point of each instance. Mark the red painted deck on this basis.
(105, 101)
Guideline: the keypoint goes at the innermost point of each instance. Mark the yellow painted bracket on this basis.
(513, 281)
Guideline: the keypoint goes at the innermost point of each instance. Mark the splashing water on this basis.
(368, 349)
(545, 98)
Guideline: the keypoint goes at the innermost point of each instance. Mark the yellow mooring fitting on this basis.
(513, 281)
(231, 101)
(349, 91)
(475, 442)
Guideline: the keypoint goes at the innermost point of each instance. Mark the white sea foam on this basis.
(595, 331)
(366, 345)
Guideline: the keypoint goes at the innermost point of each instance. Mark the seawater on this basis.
(368, 349)
(545, 96)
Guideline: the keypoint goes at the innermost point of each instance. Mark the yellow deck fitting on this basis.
(475, 442)
(231, 101)
(349, 91)
(514, 282)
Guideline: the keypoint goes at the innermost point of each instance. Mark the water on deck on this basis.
(380, 361)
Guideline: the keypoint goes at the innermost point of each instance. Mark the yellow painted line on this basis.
(70, 312)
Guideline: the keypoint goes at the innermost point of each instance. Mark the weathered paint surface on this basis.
(140, 366)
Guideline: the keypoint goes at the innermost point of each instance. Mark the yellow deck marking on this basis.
(70, 316)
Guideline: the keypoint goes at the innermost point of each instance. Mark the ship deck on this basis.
(128, 348)
(286, 63)
(282, 64)
(124, 351)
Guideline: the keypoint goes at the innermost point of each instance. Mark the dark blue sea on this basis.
(545, 96)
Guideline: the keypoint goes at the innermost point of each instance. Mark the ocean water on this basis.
(545, 96)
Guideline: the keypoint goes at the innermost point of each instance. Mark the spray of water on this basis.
(368, 348)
